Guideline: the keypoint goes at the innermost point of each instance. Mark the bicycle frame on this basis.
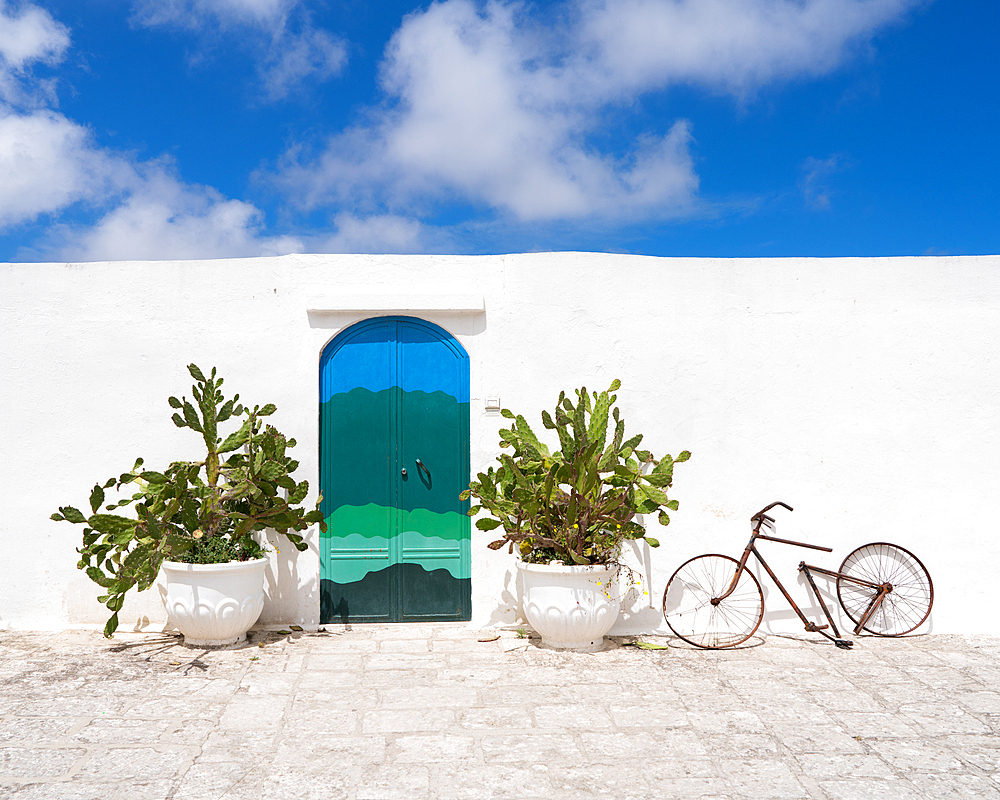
(760, 520)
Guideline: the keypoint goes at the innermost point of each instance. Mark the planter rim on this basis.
(562, 569)
(229, 566)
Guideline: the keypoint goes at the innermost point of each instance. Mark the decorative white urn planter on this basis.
(570, 607)
(214, 604)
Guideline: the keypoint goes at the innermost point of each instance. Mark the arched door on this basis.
(394, 456)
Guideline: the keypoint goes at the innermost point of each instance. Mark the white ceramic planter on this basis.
(570, 607)
(214, 604)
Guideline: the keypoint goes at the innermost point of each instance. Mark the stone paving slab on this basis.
(429, 711)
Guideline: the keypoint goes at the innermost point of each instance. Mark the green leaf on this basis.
(651, 541)
(528, 437)
(683, 456)
(654, 494)
(632, 443)
(111, 524)
(506, 413)
(58, 518)
(72, 515)
(179, 421)
(299, 493)
(272, 470)
(96, 498)
(267, 410)
(665, 464)
(98, 577)
(196, 373)
(487, 524)
(152, 477)
(174, 402)
(664, 519)
(226, 411)
(191, 418)
(598, 431)
(111, 626)
(236, 439)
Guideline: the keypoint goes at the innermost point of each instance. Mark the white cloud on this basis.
(385, 233)
(475, 120)
(737, 46)
(198, 13)
(293, 59)
(487, 107)
(278, 34)
(49, 163)
(28, 35)
(816, 175)
(164, 218)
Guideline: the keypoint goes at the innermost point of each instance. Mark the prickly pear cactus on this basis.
(212, 506)
(576, 504)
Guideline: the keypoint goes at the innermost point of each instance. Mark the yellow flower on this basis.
(197, 534)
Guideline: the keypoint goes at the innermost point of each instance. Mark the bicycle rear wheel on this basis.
(688, 608)
(901, 611)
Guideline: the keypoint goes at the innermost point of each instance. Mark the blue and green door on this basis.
(394, 456)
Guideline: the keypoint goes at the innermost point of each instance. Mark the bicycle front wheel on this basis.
(901, 611)
(690, 613)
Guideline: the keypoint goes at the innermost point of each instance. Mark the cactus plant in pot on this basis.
(196, 520)
(567, 512)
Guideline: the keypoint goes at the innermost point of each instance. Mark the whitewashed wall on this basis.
(863, 392)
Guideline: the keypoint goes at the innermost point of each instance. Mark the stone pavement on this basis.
(428, 711)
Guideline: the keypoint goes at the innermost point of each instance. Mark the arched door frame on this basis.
(398, 532)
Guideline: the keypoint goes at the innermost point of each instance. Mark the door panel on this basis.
(394, 390)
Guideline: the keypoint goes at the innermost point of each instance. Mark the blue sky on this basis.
(148, 129)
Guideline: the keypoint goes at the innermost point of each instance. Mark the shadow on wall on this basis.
(456, 324)
(508, 610)
(298, 603)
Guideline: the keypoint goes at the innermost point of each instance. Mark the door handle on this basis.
(424, 468)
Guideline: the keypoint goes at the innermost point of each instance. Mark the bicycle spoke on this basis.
(688, 608)
(904, 608)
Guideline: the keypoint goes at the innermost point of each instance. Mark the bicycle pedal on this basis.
(812, 627)
(844, 644)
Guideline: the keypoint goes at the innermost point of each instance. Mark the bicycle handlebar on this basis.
(762, 515)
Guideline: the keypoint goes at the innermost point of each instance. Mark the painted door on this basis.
(394, 456)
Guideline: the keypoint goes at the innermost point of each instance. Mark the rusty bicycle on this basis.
(714, 601)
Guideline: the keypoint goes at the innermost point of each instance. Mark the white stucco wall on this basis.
(863, 392)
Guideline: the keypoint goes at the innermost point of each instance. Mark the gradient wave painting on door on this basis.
(394, 456)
